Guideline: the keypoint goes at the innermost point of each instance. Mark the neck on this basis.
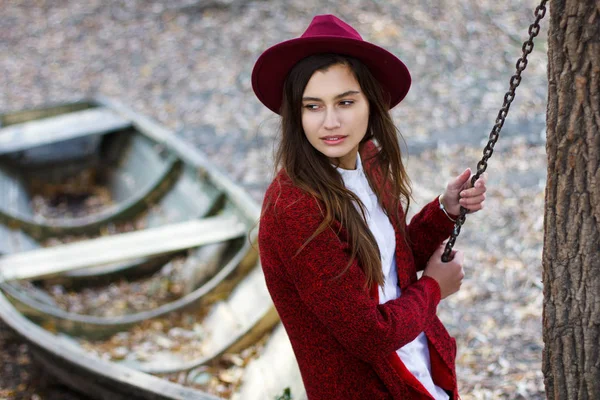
(348, 161)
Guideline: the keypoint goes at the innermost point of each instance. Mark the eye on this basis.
(311, 107)
(346, 102)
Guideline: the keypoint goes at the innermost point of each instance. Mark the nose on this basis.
(332, 120)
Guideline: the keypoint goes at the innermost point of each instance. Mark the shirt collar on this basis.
(350, 173)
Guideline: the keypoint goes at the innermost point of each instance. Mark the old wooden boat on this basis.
(183, 206)
(147, 181)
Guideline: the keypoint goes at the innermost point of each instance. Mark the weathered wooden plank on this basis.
(268, 375)
(63, 127)
(54, 260)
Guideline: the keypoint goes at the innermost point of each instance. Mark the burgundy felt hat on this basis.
(326, 34)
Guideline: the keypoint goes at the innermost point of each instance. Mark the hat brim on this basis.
(273, 66)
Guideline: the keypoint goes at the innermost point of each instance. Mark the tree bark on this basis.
(571, 259)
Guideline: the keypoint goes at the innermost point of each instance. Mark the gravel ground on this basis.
(187, 64)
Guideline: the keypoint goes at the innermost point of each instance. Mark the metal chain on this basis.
(515, 80)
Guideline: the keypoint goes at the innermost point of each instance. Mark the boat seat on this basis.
(60, 128)
(44, 262)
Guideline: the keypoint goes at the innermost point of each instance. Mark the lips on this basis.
(334, 139)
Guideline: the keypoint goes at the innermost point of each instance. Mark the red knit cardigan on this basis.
(345, 342)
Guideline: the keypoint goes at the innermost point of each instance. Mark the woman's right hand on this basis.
(449, 275)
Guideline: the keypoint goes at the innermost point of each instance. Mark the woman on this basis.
(339, 260)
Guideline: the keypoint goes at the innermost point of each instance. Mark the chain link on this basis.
(515, 80)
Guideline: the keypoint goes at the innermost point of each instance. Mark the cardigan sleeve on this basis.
(340, 301)
(426, 232)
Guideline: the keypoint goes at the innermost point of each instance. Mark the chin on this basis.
(334, 154)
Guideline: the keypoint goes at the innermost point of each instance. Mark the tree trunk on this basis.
(571, 260)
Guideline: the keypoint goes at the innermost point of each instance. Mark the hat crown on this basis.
(330, 25)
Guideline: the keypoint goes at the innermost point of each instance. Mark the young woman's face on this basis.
(335, 114)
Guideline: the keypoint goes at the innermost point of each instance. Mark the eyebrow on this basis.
(339, 96)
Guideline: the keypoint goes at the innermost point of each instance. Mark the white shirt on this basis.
(414, 355)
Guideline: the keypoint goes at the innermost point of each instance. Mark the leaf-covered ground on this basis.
(187, 64)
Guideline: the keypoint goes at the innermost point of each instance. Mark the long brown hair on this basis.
(313, 172)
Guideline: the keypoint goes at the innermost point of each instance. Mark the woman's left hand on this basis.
(460, 193)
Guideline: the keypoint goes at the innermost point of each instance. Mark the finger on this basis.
(475, 207)
(476, 191)
(460, 180)
(470, 201)
(459, 257)
(440, 250)
(482, 180)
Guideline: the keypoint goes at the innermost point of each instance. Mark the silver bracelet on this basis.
(444, 209)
